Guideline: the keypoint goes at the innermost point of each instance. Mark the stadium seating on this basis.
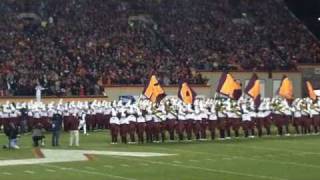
(74, 47)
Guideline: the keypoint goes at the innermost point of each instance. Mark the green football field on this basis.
(268, 158)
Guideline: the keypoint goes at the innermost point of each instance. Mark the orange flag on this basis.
(253, 89)
(229, 86)
(286, 88)
(186, 93)
(153, 90)
(311, 92)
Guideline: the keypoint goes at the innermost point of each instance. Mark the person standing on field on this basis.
(73, 129)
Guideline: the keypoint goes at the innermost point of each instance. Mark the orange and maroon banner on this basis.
(186, 93)
(286, 88)
(153, 91)
(253, 89)
(229, 86)
(310, 90)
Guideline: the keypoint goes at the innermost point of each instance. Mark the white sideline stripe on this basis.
(248, 158)
(108, 166)
(51, 170)
(29, 172)
(194, 160)
(124, 165)
(208, 169)
(7, 173)
(90, 172)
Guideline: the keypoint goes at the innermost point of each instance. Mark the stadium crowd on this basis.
(171, 120)
(75, 47)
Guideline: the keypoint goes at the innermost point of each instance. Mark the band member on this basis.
(197, 123)
(297, 115)
(189, 123)
(124, 125)
(171, 124)
(114, 127)
(141, 124)
(73, 129)
(156, 127)
(204, 124)
(213, 123)
(234, 117)
(132, 125)
(149, 125)
(277, 114)
(222, 123)
(82, 122)
(248, 114)
(181, 123)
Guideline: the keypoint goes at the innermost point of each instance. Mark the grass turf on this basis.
(269, 158)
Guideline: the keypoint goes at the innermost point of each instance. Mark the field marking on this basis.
(90, 172)
(207, 169)
(246, 158)
(194, 160)
(124, 165)
(29, 172)
(209, 159)
(64, 168)
(297, 152)
(51, 170)
(6, 173)
(55, 156)
(178, 162)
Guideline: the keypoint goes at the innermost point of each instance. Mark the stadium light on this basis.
(318, 18)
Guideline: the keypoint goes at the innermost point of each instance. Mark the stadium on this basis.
(160, 89)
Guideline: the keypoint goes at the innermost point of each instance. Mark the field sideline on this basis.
(268, 158)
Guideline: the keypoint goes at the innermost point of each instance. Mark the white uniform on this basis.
(82, 123)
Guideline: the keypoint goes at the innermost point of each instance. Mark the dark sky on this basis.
(308, 11)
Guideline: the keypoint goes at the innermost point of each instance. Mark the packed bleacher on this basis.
(75, 47)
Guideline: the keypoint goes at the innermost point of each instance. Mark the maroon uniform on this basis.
(171, 125)
(180, 128)
(140, 128)
(114, 128)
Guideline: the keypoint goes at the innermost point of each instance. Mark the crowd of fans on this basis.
(75, 47)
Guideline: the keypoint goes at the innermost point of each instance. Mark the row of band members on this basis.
(153, 127)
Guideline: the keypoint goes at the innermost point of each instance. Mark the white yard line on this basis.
(208, 159)
(229, 157)
(51, 170)
(177, 162)
(207, 169)
(124, 165)
(29, 172)
(297, 152)
(6, 173)
(90, 172)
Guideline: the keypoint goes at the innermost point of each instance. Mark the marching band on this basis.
(171, 119)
